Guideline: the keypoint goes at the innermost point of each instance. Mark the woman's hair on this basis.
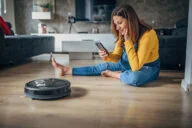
(136, 27)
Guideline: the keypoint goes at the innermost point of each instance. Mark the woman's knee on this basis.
(132, 79)
(141, 77)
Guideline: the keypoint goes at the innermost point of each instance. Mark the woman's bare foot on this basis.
(108, 73)
(62, 69)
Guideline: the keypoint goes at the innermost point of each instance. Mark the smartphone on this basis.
(101, 47)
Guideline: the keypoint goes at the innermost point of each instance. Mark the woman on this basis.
(135, 59)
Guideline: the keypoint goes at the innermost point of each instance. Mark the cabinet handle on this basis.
(87, 40)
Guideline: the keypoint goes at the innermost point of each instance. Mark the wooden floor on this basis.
(95, 102)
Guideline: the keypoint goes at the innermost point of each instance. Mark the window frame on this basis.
(0, 7)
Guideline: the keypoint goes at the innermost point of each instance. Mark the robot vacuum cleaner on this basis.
(45, 89)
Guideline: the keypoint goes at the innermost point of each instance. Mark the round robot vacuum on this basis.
(45, 89)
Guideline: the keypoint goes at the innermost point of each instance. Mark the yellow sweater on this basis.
(148, 50)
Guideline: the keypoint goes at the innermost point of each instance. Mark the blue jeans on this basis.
(147, 73)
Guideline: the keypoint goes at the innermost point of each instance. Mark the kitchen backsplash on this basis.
(158, 13)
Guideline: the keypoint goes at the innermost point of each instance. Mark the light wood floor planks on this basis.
(95, 102)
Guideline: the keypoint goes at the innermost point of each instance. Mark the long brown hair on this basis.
(136, 27)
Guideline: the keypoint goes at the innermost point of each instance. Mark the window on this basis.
(0, 6)
(3, 9)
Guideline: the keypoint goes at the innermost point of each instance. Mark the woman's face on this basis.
(121, 24)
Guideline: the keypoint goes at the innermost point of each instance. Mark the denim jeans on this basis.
(147, 73)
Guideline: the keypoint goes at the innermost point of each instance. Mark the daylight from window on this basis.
(0, 7)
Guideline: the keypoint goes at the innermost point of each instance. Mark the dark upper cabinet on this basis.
(94, 10)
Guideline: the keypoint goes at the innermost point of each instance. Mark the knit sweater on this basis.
(147, 52)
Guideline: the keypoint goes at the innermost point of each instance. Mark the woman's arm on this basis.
(117, 52)
(145, 46)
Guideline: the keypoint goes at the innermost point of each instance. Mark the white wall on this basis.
(187, 81)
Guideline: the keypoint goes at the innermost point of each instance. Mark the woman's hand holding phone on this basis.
(103, 54)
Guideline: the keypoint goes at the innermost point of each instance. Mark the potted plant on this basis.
(46, 7)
